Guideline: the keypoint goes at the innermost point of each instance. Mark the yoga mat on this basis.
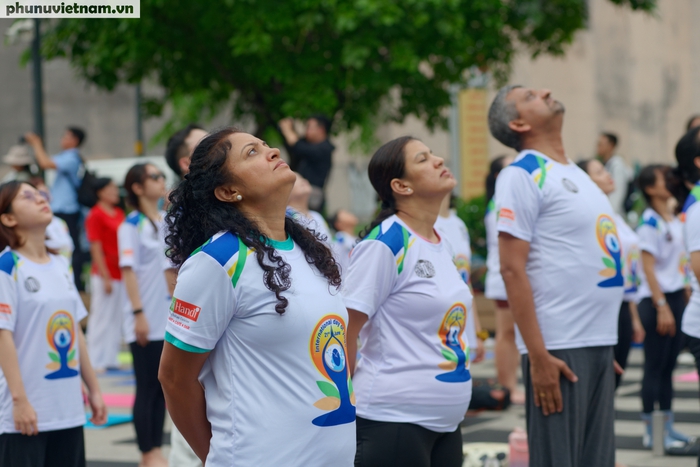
(125, 358)
(117, 372)
(119, 400)
(691, 377)
(112, 420)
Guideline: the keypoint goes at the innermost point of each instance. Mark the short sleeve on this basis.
(92, 226)
(128, 240)
(8, 301)
(203, 304)
(67, 162)
(648, 239)
(517, 203)
(371, 277)
(692, 229)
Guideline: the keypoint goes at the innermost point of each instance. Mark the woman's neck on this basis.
(661, 207)
(445, 207)
(107, 207)
(34, 246)
(149, 208)
(269, 220)
(420, 216)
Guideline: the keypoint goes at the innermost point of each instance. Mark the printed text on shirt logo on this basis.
(32, 285)
(569, 185)
(506, 213)
(184, 309)
(5, 308)
(425, 269)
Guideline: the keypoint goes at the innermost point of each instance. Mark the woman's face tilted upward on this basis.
(425, 172)
(258, 171)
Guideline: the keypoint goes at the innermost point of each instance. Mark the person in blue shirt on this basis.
(64, 191)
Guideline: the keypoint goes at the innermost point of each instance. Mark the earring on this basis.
(239, 197)
(409, 190)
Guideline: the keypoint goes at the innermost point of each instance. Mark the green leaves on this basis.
(265, 59)
(608, 262)
(54, 357)
(71, 355)
(449, 355)
(328, 389)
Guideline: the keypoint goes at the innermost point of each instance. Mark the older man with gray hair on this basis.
(561, 264)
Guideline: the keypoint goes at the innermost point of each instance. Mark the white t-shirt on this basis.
(691, 230)
(314, 221)
(343, 243)
(495, 288)
(58, 237)
(269, 378)
(414, 362)
(454, 231)
(575, 263)
(41, 306)
(143, 249)
(632, 269)
(664, 240)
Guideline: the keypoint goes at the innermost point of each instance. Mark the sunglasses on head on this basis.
(156, 177)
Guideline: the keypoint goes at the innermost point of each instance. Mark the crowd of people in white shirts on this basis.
(275, 342)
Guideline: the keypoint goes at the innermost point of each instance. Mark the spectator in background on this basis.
(178, 154)
(344, 223)
(57, 234)
(311, 155)
(108, 296)
(299, 210)
(615, 164)
(693, 121)
(180, 147)
(19, 159)
(64, 191)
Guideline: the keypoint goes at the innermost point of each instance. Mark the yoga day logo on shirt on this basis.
(462, 263)
(454, 350)
(684, 268)
(329, 355)
(632, 280)
(610, 244)
(60, 333)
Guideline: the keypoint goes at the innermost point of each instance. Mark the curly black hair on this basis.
(196, 215)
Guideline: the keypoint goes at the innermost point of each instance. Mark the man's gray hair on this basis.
(501, 113)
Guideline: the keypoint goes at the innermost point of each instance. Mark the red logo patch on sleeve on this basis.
(506, 213)
(5, 308)
(186, 310)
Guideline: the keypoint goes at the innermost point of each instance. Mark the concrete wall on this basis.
(633, 74)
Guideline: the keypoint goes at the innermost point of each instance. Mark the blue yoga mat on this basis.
(112, 420)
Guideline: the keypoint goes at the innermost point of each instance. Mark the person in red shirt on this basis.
(108, 296)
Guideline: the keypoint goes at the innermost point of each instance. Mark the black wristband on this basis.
(136, 312)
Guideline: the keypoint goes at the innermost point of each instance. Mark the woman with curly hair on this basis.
(255, 343)
(410, 306)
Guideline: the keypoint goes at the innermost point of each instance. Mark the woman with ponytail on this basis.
(43, 354)
(256, 339)
(143, 263)
(409, 306)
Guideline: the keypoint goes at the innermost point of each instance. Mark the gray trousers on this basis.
(583, 435)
